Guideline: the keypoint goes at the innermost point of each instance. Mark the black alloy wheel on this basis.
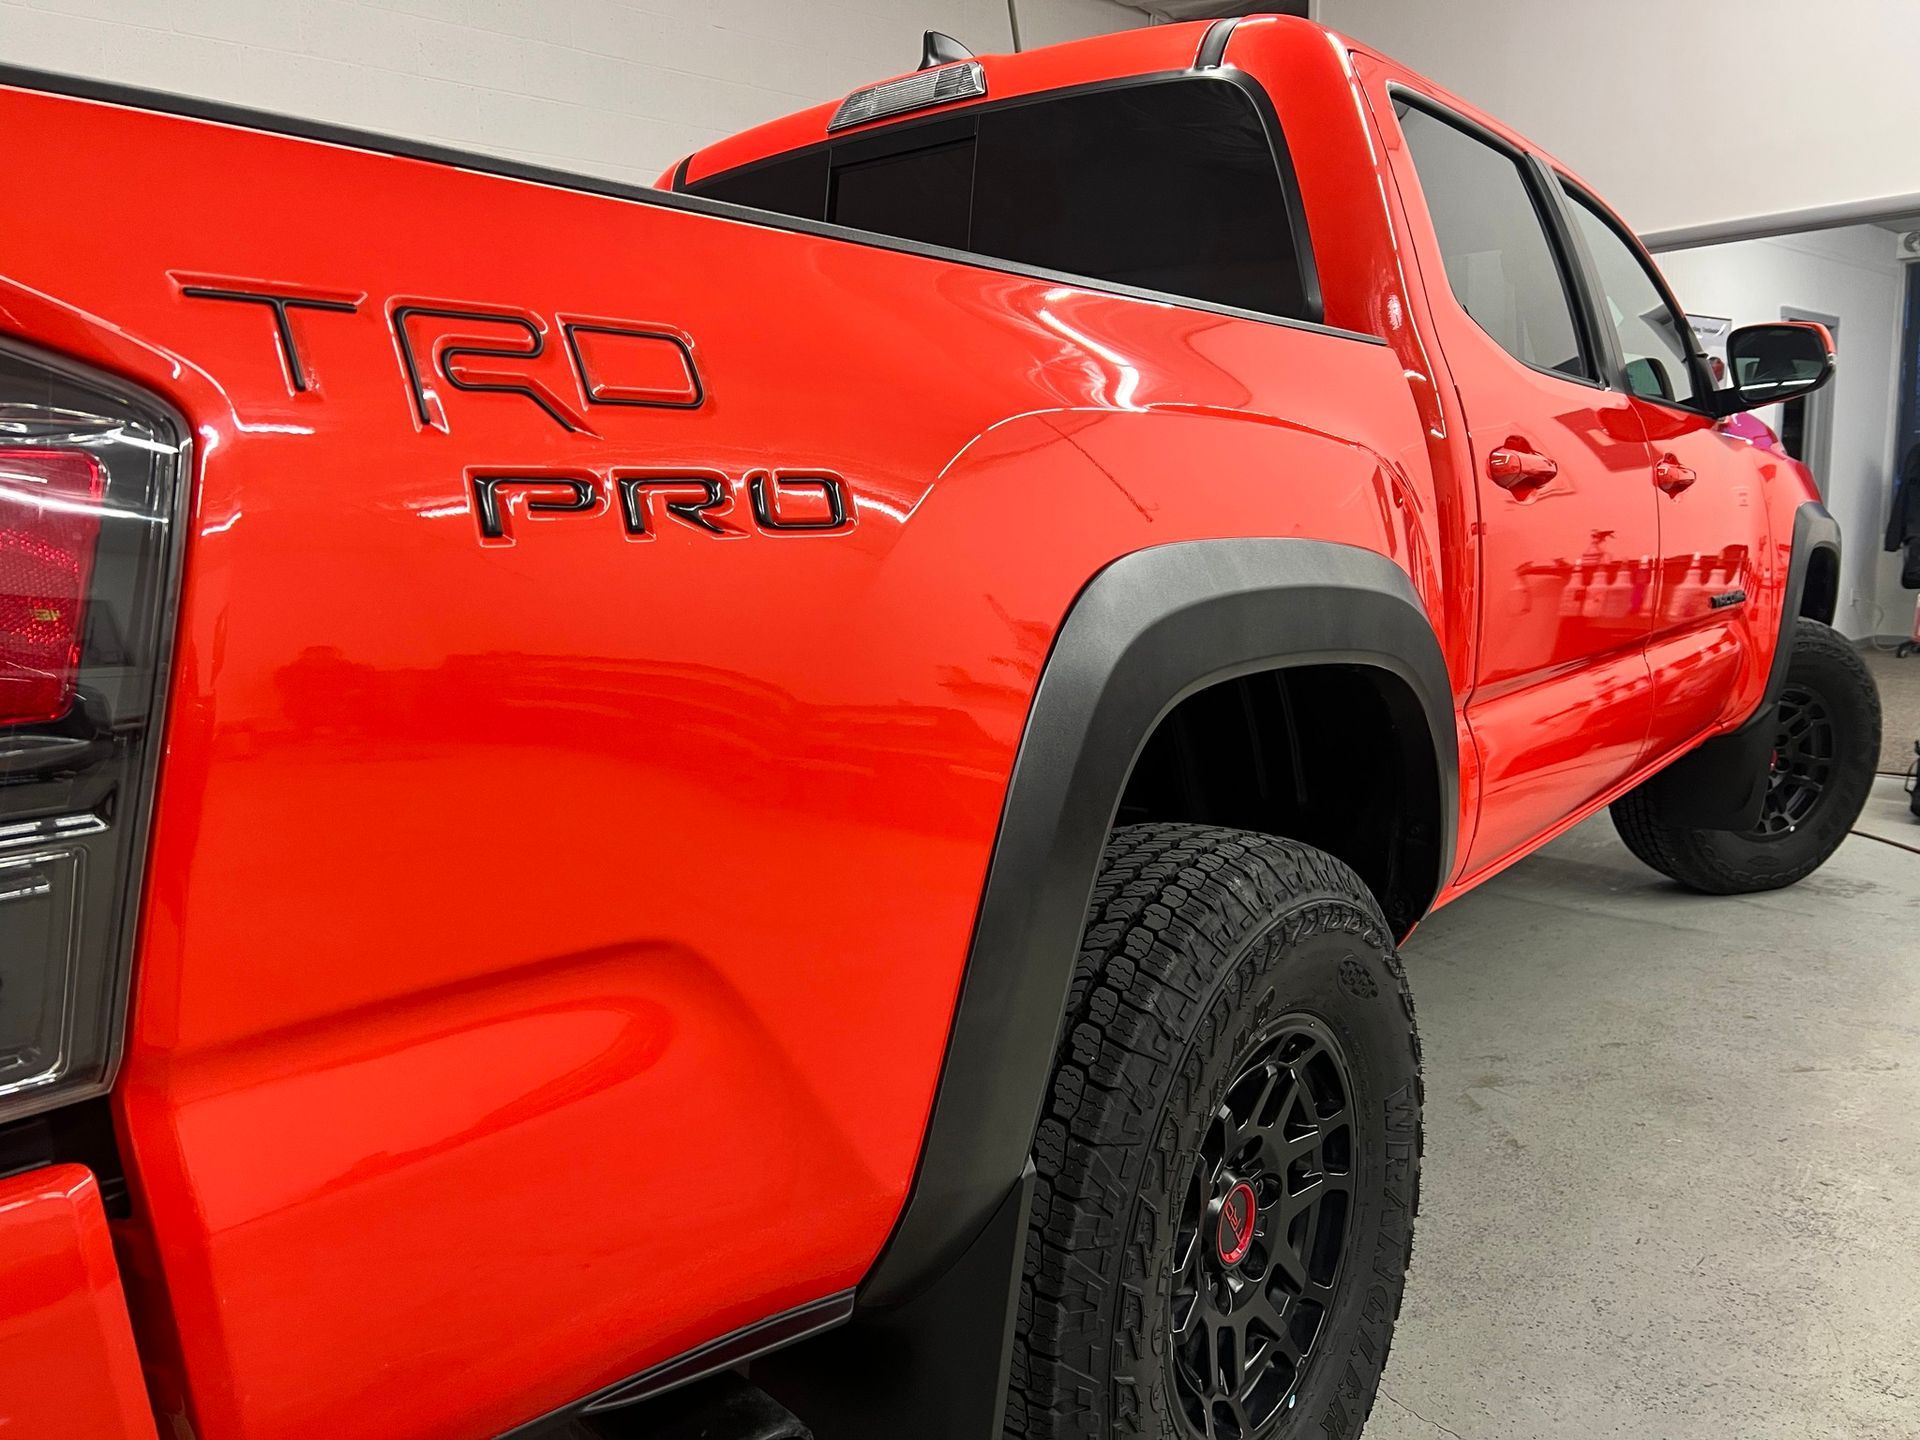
(1802, 765)
(1262, 1240)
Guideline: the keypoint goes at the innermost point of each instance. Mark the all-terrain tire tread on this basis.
(1167, 915)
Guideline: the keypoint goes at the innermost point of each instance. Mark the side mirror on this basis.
(1771, 363)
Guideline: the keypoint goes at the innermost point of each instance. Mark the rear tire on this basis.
(1825, 752)
(1229, 1157)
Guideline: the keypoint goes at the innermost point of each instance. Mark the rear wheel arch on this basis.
(1151, 630)
(1156, 630)
(1334, 755)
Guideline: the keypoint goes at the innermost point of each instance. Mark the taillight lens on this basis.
(49, 522)
(91, 473)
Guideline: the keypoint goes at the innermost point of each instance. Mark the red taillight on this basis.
(49, 525)
(92, 474)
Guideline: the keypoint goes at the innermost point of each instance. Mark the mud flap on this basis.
(1722, 785)
(934, 1367)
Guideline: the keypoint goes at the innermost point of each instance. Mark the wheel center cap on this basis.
(1237, 1214)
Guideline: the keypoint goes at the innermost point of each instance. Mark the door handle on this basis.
(1673, 477)
(1513, 467)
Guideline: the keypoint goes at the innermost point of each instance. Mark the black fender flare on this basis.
(1147, 631)
(1720, 785)
(1814, 532)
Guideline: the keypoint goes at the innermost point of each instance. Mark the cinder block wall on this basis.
(621, 88)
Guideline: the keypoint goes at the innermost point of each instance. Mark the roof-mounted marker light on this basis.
(964, 80)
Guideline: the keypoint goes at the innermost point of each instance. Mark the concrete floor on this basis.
(1672, 1184)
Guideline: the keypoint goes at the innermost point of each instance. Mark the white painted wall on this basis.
(621, 88)
(1853, 275)
(1683, 112)
(1049, 22)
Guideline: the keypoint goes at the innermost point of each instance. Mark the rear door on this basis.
(1562, 698)
(1706, 664)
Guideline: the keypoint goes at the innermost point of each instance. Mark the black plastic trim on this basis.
(679, 181)
(102, 92)
(1152, 628)
(936, 1368)
(1582, 276)
(1721, 785)
(727, 1351)
(1814, 530)
(1213, 45)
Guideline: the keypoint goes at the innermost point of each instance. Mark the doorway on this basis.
(1806, 423)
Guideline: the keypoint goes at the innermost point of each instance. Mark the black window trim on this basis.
(1571, 192)
(893, 137)
(1536, 179)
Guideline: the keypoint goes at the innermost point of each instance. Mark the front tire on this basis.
(1229, 1158)
(1826, 748)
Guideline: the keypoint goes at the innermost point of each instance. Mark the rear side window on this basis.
(1500, 265)
(1173, 186)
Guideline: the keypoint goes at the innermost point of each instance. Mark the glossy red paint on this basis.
(509, 882)
(516, 890)
(68, 1370)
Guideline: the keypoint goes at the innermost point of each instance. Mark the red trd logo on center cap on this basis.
(1237, 1214)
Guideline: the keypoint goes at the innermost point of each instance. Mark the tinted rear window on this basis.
(920, 194)
(1172, 186)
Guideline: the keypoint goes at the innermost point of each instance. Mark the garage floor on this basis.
(1672, 1182)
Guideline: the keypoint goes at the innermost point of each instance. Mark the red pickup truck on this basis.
(786, 802)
